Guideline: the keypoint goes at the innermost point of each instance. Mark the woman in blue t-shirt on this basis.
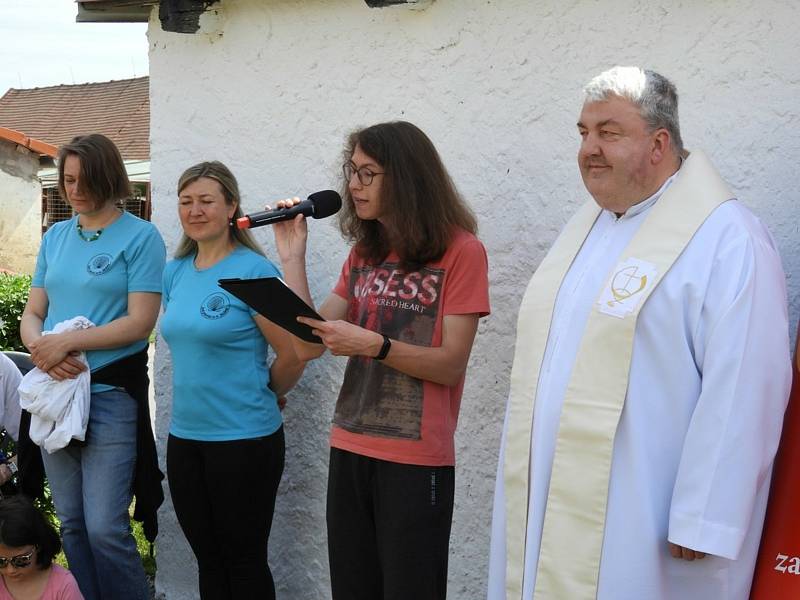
(225, 451)
(106, 265)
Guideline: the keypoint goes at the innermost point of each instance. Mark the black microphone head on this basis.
(326, 203)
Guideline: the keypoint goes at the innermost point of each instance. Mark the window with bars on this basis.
(55, 208)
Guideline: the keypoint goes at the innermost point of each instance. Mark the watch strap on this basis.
(387, 344)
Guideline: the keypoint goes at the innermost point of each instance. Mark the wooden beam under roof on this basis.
(114, 11)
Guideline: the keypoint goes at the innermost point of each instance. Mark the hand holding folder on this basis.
(274, 300)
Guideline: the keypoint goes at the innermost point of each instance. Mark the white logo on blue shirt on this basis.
(215, 306)
(99, 264)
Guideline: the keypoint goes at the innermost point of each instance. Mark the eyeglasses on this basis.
(20, 560)
(365, 174)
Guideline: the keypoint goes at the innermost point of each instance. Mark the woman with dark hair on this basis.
(106, 265)
(225, 451)
(28, 544)
(405, 310)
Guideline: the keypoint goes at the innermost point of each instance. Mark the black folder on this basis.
(273, 299)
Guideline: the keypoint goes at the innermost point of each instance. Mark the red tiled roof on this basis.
(117, 109)
(28, 142)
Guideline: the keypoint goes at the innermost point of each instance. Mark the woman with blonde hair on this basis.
(225, 452)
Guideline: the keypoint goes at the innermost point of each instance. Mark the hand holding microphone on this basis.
(318, 205)
(290, 236)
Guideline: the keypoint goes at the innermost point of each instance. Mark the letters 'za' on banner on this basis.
(777, 574)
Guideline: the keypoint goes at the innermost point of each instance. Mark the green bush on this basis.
(13, 295)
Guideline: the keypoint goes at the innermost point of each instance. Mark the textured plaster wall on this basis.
(272, 88)
(20, 208)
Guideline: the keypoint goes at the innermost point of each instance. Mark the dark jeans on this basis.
(388, 528)
(224, 497)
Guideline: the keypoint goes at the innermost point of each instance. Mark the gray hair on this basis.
(655, 95)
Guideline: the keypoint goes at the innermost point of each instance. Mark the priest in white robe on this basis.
(650, 376)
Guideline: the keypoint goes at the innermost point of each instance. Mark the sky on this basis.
(42, 45)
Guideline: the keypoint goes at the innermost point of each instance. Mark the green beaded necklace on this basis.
(96, 235)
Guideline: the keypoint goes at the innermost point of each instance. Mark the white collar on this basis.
(642, 206)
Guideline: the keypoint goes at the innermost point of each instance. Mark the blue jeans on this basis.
(91, 488)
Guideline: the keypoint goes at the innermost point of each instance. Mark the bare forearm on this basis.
(430, 364)
(444, 364)
(305, 350)
(32, 321)
(48, 351)
(294, 273)
(284, 373)
(334, 308)
(120, 332)
(30, 328)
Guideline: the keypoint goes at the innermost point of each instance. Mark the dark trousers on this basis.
(388, 528)
(224, 497)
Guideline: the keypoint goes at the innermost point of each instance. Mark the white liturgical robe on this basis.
(693, 450)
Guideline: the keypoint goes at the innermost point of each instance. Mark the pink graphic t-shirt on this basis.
(381, 412)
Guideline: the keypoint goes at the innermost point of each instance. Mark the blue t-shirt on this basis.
(219, 355)
(93, 279)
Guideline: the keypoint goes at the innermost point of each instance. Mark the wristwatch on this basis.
(12, 466)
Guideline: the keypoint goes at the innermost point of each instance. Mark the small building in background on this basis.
(21, 158)
(49, 117)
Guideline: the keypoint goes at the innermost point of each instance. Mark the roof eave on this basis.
(114, 11)
(30, 143)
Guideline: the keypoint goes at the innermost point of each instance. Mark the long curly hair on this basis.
(423, 208)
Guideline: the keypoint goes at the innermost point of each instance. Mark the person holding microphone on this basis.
(225, 452)
(405, 311)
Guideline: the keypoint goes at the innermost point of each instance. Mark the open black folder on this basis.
(273, 299)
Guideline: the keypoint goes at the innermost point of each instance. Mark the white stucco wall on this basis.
(271, 88)
(20, 208)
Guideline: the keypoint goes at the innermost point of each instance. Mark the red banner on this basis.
(777, 574)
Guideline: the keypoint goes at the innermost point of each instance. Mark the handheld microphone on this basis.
(318, 205)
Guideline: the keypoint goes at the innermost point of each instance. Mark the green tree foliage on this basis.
(13, 295)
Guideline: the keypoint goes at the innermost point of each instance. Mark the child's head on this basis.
(22, 526)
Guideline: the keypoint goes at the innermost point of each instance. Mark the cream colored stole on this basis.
(572, 538)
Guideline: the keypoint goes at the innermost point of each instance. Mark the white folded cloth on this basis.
(59, 409)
